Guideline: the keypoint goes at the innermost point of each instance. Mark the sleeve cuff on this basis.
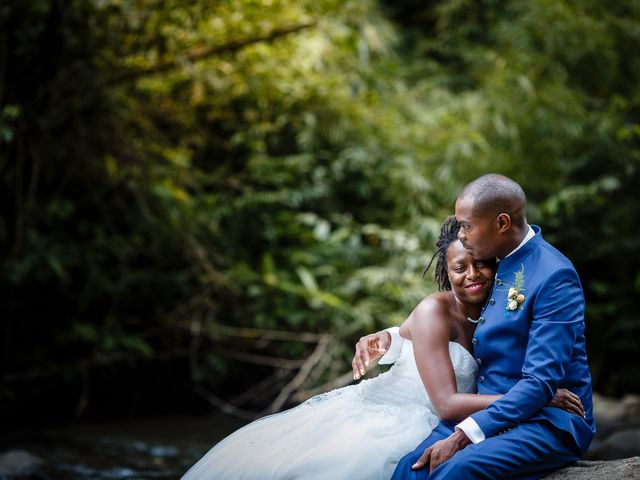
(394, 349)
(471, 430)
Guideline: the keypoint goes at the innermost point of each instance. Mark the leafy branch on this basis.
(203, 53)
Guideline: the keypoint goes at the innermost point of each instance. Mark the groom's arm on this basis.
(558, 318)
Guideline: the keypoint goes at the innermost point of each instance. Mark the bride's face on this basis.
(470, 279)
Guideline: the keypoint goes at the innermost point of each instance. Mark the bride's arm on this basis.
(429, 330)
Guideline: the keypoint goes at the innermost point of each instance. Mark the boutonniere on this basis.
(515, 297)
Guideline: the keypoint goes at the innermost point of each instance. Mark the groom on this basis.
(528, 343)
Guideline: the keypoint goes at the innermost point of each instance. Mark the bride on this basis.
(361, 431)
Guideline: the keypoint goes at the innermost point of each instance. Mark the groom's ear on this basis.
(504, 222)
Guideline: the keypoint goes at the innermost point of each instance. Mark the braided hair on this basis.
(448, 235)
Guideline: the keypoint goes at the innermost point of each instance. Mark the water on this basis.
(161, 449)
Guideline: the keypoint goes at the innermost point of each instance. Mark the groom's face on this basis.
(477, 233)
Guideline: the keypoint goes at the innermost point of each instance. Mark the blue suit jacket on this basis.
(528, 353)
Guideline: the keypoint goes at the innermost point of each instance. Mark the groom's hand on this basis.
(369, 348)
(442, 450)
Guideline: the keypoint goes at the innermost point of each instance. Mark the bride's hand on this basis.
(568, 401)
(369, 348)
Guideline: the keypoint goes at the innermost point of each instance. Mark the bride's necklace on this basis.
(469, 319)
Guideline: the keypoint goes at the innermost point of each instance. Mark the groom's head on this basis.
(491, 213)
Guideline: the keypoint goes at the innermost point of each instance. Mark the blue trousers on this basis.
(530, 450)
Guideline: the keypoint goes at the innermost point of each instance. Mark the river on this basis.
(162, 448)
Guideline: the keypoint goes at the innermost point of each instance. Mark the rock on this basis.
(620, 444)
(607, 409)
(627, 468)
(618, 428)
(20, 465)
(632, 407)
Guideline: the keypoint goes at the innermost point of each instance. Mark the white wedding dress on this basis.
(356, 432)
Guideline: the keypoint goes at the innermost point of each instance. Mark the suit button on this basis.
(492, 302)
(498, 282)
(479, 361)
(474, 341)
(481, 378)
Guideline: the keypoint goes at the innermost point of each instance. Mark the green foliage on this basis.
(286, 165)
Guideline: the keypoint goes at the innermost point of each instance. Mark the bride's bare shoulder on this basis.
(435, 305)
(431, 312)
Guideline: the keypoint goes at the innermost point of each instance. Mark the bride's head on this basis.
(455, 267)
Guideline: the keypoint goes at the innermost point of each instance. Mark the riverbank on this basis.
(161, 449)
(164, 448)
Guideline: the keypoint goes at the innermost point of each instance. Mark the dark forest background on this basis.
(207, 203)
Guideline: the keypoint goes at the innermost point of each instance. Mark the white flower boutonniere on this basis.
(515, 297)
